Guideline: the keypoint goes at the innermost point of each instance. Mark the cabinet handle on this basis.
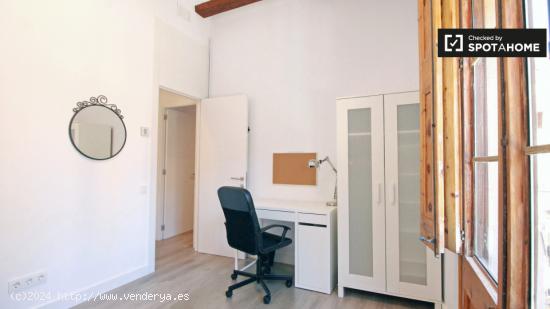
(393, 194)
(379, 194)
(312, 224)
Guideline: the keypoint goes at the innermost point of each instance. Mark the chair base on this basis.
(260, 277)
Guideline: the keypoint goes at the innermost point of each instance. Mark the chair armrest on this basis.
(285, 229)
(259, 236)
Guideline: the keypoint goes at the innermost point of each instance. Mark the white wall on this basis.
(450, 283)
(179, 55)
(293, 58)
(87, 223)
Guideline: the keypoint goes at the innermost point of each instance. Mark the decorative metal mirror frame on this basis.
(101, 101)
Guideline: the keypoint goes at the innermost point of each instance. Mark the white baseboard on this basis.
(100, 287)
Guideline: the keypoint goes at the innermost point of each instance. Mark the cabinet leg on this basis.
(340, 291)
(438, 306)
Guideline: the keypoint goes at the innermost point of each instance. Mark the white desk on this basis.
(314, 241)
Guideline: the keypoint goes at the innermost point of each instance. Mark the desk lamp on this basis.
(313, 163)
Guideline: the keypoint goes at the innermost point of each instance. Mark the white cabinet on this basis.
(378, 199)
(314, 229)
(315, 265)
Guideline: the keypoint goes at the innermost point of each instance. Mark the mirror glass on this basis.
(97, 132)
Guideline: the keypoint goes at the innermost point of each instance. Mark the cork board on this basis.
(292, 169)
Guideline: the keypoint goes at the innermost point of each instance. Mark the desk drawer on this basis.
(275, 215)
(312, 218)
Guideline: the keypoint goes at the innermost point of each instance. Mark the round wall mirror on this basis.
(96, 129)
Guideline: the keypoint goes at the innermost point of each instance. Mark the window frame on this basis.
(531, 151)
(489, 283)
(512, 286)
(492, 286)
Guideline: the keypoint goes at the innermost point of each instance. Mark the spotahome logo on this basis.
(454, 42)
(492, 43)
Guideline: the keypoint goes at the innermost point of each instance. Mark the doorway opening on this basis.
(176, 168)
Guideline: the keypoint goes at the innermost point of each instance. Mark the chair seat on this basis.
(272, 242)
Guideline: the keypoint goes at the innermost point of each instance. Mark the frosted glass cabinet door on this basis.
(360, 191)
(360, 179)
(412, 269)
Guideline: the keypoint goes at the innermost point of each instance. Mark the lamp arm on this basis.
(327, 159)
(335, 196)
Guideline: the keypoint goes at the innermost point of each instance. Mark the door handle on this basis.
(239, 179)
(427, 240)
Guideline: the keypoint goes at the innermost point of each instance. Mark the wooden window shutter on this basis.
(431, 137)
(453, 152)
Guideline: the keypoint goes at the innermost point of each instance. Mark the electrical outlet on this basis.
(27, 282)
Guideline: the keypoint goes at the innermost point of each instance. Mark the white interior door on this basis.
(412, 269)
(223, 161)
(361, 215)
(180, 171)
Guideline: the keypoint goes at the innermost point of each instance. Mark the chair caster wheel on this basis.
(234, 276)
(288, 283)
(228, 293)
(267, 299)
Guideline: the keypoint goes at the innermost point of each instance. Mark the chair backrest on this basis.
(241, 222)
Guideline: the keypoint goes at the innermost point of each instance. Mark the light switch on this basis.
(144, 131)
(143, 189)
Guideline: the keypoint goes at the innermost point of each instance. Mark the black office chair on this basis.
(244, 234)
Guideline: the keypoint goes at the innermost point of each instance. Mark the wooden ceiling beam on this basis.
(213, 7)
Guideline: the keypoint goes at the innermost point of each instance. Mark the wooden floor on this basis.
(206, 277)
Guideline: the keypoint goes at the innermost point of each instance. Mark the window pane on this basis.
(485, 107)
(539, 77)
(540, 201)
(537, 15)
(485, 86)
(485, 214)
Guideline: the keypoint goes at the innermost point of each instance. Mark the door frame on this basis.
(161, 177)
(157, 173)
